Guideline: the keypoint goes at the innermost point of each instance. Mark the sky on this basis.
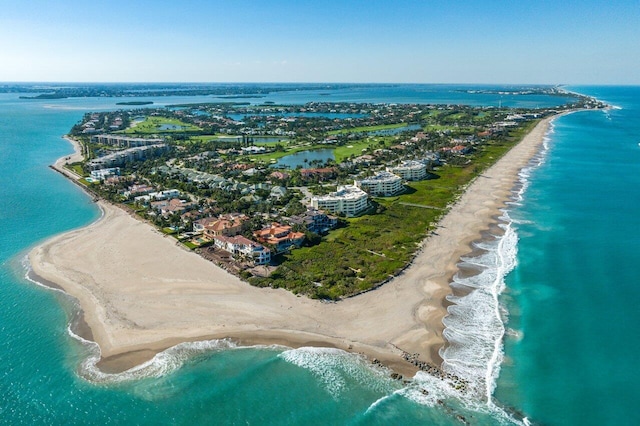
(368, 41)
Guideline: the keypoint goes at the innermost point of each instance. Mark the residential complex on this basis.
(382, 184)
(348, 200)
(119, 158)
(123, 141)
(410, 170)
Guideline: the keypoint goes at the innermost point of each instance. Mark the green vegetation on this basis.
(135, 103)
(215, 177)
(154, 125)
(364, 129)
(374, 247)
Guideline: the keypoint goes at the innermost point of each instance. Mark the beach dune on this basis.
(141, 293)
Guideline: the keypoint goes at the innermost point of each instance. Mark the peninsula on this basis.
(141, 292)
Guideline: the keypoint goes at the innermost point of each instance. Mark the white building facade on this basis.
(383, 184)
(410, 170)
(348, 200)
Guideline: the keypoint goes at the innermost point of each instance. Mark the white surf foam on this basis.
(161, 364)
(334, 368)
(474, 325)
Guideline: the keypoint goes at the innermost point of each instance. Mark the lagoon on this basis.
(304, 158)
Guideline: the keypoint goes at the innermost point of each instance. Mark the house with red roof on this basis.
(281, 237)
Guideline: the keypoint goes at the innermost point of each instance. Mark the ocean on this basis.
(547, 332)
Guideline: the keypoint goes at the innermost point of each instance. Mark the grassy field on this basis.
(357, 147)
(152, 125)
(368, 128)
(374, 247)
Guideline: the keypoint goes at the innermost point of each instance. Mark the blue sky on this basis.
(573, 42)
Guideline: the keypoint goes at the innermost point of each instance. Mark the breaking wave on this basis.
(335, 368)
(475, 323)
(160, 365)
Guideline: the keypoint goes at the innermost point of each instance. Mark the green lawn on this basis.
(368, 128)
(152, 125)
(357, 147)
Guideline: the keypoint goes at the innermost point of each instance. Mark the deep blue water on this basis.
(571, 299)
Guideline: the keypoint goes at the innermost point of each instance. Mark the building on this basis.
(410, 170)
(119, 158)
(281, 237)
(154, 196)
(382, 184)
(244, 248)
(348, 200)
(226, 225)
(174, 205)
(102, 174)
(315, 221)
(123, 141)
(320, 174)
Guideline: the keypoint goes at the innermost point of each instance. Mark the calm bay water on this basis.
(569, 303)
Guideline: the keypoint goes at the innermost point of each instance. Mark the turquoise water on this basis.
(574, 296)
(571, 302)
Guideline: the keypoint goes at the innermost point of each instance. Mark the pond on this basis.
(267, 139)
(171, 127)
(298, 159)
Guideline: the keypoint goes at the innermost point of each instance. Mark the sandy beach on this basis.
(141, 293)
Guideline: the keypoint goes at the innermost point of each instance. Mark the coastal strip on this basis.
(140, 293)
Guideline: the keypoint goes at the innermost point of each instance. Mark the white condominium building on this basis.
(410, 170)
(383, 184)
(348, 200)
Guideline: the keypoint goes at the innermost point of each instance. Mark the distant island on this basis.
(240, 97)
(135, 103)
(231, 90)
(46, 96)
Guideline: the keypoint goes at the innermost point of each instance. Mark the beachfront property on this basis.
(348, 200)
(243, 247)
(128, 155)
(137, 190)
(410, 170)
(315, 221)
(123, 141)
(226, 225)
(174, 205)
(383, 184)
(281, 237)
(160, 195)
(103, 174)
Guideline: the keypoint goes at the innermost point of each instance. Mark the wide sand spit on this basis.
(141, 293)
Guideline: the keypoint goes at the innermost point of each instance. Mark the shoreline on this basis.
(187, 298)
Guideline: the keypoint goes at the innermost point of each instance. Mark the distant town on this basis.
(324, 199)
